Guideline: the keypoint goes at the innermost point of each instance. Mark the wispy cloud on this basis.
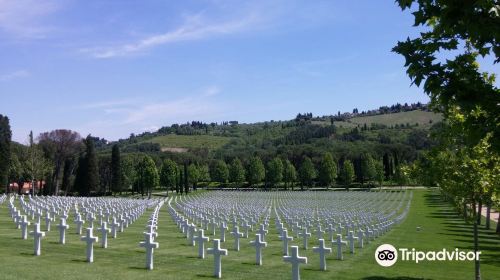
(195, 28)
(118, 116)
(14, 75)
(24, 18)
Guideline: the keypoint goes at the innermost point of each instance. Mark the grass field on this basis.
(411, 117)
(191, 141)
(123, 259)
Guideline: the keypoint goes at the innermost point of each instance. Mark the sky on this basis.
(111, 68)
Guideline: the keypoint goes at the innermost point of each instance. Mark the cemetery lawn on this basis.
(123, 259)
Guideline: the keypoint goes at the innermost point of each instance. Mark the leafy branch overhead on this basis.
(444, 59)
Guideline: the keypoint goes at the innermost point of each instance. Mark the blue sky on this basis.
(111, 68)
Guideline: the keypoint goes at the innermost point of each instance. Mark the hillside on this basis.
(182, 143)
(423, 118)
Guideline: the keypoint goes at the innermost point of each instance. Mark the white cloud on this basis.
(195, 28)
(14, 75)
(119, 117)
(24, 18)
(211, 91)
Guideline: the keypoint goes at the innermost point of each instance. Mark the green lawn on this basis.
(191, 141)
(123, 259)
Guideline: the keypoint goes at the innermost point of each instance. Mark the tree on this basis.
(168, 174)
(194, 175)
(81, 172)
(255, 171)
(204, 173)
(129, 173)
(289, 174)
(87, 177)
(186, 178)
(401, 177)
(367, 168)
(37, 166)
(5, 153)
(459, 32)
(147, 175)
(69, 166)
(307, 173)
(105, 174)
(92, 176)
(220, 172)
(275, 172)
(236, 172)
(327, 170)
(57, 146)
(379, 172)
(347, 173)
(116, 170)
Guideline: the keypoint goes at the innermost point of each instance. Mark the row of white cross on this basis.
(370, 223)
(121, 212)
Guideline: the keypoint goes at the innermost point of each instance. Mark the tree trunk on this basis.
(465, 210)
(498, 223)
(477, 271)
(488, 215)
(479, 211)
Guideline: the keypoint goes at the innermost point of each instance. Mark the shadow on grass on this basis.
(392, 278)
(205, 275)
(312, 269)
(138, 267)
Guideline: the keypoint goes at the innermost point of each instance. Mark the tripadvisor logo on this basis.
(386, 255)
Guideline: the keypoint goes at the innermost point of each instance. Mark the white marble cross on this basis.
(201, 239)
(79, 224)
(295, 260)
(305, 236)
(62, 226)
(114, 227)
(247, 227)
(285, 238)
(90, 239)
(48, 219)
(192, 231)
(339, 244)
(361, 235)
(322, 250)
(262, 231)
(351, 238)
(91, 219)
(258, 244)
(237, 235)
(319, 232)
(37, 235)
(223, 228)
(218, 253)
(331, 231)
(24, 227)
(150, 245)
(104, 234)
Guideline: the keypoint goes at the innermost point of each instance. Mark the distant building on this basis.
(26, 187)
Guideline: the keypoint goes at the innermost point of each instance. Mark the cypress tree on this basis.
(92, 167)
(5, 141)
(116, 170)
(186, 178)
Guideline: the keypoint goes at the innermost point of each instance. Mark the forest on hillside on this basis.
(341, 150)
